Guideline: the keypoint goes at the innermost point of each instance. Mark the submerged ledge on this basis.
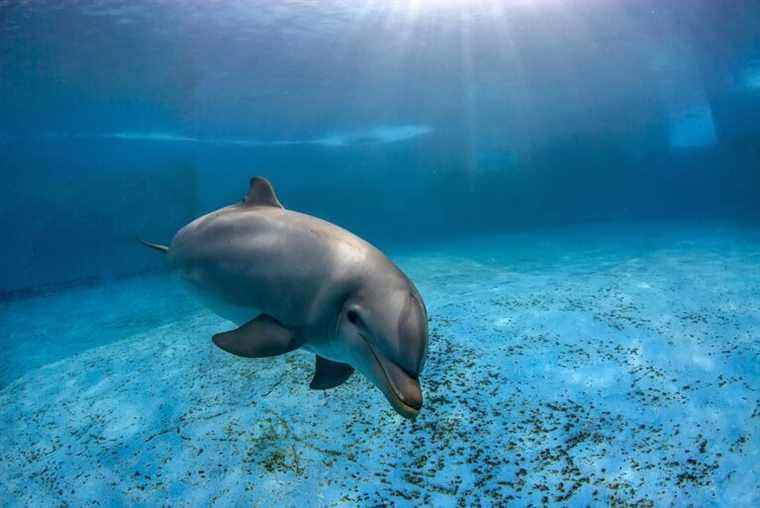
(26, 292)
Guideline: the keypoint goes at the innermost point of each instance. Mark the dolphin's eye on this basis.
(353, 317)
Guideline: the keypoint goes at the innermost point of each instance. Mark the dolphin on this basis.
(290, 280)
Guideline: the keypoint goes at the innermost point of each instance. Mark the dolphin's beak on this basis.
(402, 390)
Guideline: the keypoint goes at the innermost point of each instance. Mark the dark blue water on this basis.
(397, 121)
(573, 186)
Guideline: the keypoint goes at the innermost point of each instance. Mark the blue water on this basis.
(572, 186)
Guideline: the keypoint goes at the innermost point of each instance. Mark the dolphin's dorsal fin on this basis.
(261, 193)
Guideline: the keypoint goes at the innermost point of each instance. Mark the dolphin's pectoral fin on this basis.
(329, 374)
(260, 337)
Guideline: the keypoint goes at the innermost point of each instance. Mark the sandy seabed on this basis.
(594, 366)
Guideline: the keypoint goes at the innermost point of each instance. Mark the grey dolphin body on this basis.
(290, 280)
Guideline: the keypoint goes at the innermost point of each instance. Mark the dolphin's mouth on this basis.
(402, 390)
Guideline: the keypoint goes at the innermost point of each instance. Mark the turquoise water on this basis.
(571, 185)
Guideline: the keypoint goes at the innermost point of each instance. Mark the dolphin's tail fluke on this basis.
(157, 246)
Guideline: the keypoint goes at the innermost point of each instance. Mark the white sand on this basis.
(589, 368)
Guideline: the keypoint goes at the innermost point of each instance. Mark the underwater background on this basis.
(573, 186)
